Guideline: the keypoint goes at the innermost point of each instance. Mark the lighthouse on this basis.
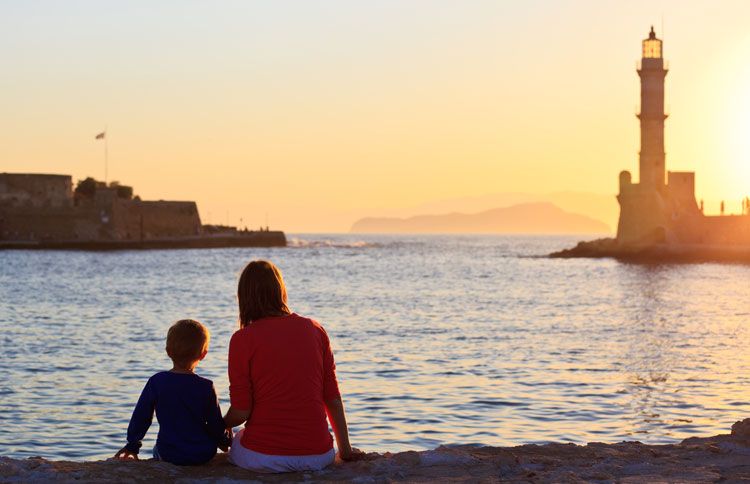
(660, 211)
(648, 208)
(652, 74)
(661, 207)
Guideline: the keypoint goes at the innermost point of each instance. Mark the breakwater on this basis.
(272, 238)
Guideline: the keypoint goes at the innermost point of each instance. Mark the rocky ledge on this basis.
(724, 458)
(656, 253)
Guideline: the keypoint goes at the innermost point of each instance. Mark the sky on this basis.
(311, 114)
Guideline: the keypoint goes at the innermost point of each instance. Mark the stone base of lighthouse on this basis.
(669, 214)
(664, 224)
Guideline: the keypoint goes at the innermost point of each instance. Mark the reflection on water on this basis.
(677, 345)
(650, 357)
(438, 340)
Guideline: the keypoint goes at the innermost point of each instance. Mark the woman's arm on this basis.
(235, 417)
(240, 386)
(337, 417)
(333, 403)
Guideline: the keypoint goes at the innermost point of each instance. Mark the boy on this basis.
(190, 422)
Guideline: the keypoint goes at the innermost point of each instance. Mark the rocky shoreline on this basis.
(722, 458)
(656, 253)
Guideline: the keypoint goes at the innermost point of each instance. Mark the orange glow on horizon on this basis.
(315, 120)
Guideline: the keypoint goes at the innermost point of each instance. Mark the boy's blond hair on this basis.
(187, 339)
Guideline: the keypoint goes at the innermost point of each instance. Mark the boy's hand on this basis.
(125, 454)
(226, 440)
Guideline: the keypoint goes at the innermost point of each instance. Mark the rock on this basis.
(719, 458)
(741, 429)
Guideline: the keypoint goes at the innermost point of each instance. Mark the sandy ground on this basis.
(723, 458)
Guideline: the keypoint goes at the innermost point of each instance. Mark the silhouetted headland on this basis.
(525, 218)
(660, 219)
(45, 212)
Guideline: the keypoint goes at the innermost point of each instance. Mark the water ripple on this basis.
(465, 339)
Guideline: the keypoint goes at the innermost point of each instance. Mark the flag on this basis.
(101, 135)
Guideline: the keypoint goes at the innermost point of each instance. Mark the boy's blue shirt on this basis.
(190, 422)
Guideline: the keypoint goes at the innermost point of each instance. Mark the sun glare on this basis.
(739, 136)
(738, 129)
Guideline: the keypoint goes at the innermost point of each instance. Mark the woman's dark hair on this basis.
(261, 292)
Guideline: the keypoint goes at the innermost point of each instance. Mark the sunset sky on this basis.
(318, 113)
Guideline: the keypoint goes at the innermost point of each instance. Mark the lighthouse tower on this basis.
(646, 206)
(652, 74)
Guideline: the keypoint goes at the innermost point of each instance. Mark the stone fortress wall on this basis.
(46, 208)
(22, 189)
(145, 220)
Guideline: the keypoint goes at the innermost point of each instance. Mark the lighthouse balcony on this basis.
(654, 116)
(652, 64)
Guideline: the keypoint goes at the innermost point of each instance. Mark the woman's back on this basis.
(282, 369)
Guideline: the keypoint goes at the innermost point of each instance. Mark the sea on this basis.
(438, 340)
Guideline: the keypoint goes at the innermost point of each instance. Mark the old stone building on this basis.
(46, 208)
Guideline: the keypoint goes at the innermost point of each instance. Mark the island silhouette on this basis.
(525, 218)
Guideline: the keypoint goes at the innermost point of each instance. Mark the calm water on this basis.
(438, 340)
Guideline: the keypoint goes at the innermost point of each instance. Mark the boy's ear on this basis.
(203, 355)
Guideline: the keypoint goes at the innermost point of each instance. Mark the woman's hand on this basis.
(125, 454)
(351, 454)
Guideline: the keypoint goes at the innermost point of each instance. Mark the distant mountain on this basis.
(594, 205)
(603, 207)
(524, 218)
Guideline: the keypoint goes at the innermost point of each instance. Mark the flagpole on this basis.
(106, 155)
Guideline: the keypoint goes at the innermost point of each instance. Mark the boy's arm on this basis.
(140, 422)
(215, 423)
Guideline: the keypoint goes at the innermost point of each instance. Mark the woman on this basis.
(282, 382)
